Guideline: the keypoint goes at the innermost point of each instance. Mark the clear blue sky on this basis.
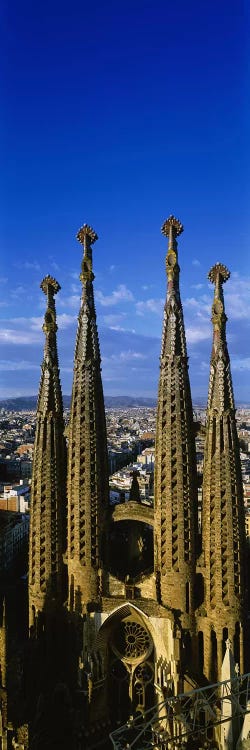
(118, 114)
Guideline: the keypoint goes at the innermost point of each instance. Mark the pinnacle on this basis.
(218, 270)
(86, 235)
(174, 223)
(50, 282)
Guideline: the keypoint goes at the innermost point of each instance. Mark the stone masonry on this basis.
(88, 489)
(132, 635)
(223, 510)
(175, 460)
(48, 492)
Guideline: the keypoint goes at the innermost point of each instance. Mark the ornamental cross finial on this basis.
(171, 228)
(86, 236)
(50, 287)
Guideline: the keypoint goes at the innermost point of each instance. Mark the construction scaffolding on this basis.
(190, 720)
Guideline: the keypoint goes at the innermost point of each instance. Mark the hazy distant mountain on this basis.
(28, 403)
(22, 403)
(128, 401)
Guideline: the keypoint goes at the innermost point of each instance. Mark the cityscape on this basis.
(130, 440)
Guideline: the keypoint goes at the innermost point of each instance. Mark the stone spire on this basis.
(48, 491)
(175, 461)
(223, 527)
(87, 453)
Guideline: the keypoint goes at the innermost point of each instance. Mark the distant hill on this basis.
(28, 403)
(22, 403)
(128, 401)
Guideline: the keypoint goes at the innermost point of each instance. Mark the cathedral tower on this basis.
(48, 491)
(87, 452)
(223, 528)
(175, 460)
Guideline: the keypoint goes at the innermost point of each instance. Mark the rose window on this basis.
(131, 640)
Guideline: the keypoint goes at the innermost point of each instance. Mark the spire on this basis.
(87, 453)
(50, 388)
(223, 527)
(220, 395)
(47, 517)
(86, 236)
(175, 462)
(172, 228)
(173, 340)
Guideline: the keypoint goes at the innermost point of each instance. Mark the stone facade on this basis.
(143, 608)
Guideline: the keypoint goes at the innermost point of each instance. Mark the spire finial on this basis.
(50, 287)
(171, 228)
(50, 283)
(218, 275)
(86, 236)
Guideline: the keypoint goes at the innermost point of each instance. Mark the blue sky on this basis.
(118, 114)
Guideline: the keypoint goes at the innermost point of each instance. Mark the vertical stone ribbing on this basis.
(48, 490)
(4, 675)
(175, 461)
(223, 527)
(3, 648)
(87, 453)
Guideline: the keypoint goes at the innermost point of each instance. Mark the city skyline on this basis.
(117, 118)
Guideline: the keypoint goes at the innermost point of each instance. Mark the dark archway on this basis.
(130, 549)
